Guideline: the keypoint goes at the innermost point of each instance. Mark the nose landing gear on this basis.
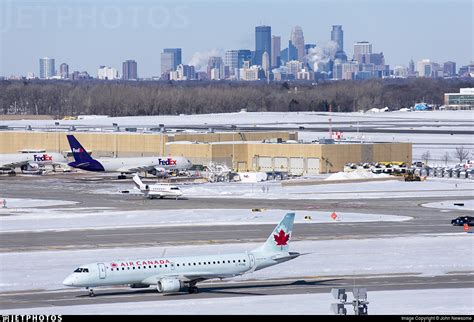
(91, 292)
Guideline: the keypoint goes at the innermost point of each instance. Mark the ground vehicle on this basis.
(460, 221)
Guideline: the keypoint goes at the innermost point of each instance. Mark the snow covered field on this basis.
(449, 204)
(457, 301)
(414, 255)
(98, 218)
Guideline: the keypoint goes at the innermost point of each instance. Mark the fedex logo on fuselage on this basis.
(141, 263)
(79, 150)
(43, 157)
(168, 161)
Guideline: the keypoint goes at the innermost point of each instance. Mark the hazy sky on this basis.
(86, 34)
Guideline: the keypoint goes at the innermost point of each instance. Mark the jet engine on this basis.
(158, 172)
(31, 168)
(166, 285)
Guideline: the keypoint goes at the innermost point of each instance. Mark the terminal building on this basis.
(464, 100)
(241, 151)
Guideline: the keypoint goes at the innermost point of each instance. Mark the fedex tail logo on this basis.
(79, 150)
(168, 161)
(43, 157)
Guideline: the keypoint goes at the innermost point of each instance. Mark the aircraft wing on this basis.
(13, 165)
(134, 169)
(199, 276)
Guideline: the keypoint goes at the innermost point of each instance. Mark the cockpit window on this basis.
(81, 270)
(174, 188)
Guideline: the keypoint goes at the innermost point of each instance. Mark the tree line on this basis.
(128, 98)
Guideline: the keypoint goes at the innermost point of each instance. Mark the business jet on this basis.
(30, 162)
(154, 165)
(170, 275)
(157, 190)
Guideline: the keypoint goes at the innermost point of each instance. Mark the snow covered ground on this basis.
(458, 301)
(449, 204)
(99, 218)
(32, 203)
(429, 255)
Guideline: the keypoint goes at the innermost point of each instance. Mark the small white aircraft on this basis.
(30, 162)
(183, 273)
(157, 190)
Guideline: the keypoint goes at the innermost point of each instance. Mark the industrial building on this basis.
(241, 151)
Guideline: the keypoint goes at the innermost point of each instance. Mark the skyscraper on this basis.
(46, 67)
(297, 39)
(266, 64)
(170, 59)
(129, 70)
(263, 43)
(449, 68)
(411, 67)
(64, 71)
(361, 50)
(276, 49)
(337, 36)
(234, 59)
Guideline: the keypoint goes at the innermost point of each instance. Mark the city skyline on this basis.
(453, 39)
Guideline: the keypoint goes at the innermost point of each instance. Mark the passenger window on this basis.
(166, 265)
(204, 263)
(177, 264)
(228, 261)
(155, 266)
(138, 267)
(194, 264)
(213, 262)
(133, 267)
(160, 266)
(244, 260)
(209, 263)
(123, 268)
(199, 263)
(234, 260)
(239, 260)
(128, 267)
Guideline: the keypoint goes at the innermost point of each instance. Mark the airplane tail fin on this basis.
(138, 182)
(78, 152)
(278, 241)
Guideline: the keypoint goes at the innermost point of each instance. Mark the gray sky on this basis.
(86, 34)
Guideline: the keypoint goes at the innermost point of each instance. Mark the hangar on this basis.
(242, 151)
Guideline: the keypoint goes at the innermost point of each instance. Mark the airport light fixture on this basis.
(360, 303)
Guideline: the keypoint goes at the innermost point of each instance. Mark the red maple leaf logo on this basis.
(282, 238)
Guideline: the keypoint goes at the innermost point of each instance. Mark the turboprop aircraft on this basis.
(176, 274)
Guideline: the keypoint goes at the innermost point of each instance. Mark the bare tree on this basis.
(446, 157)
(426, 156)
(461, 154)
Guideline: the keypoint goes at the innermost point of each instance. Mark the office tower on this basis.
(337, 36)
(411, 67)
(297, 39)
(107, 73)
(64, 71)
(362, 49)
(449, 68)
(263, 43)
(129, 70)
(307, 48)
(276, 49)
(234, 59)
(215, 67)
(170, 59)
(46, 67)
(266, 64)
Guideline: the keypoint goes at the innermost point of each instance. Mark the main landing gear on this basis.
(193, 289)
(91, 292)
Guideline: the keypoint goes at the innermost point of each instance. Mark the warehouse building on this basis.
(242, 151)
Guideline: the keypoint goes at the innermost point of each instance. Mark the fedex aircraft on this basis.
(177, 274)
(154, 165)
(156, 190)
(30, 162)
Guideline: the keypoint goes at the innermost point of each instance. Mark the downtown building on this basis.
(107, 73)
(129, 70)
(46, 68)
(263, 43)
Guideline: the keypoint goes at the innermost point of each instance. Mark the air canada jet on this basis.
(177, 274)
(154, 165)
(157, 190)
(30, 162)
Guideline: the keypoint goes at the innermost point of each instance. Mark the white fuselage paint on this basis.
(150, 271)
(41, 158)
(122, 164)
